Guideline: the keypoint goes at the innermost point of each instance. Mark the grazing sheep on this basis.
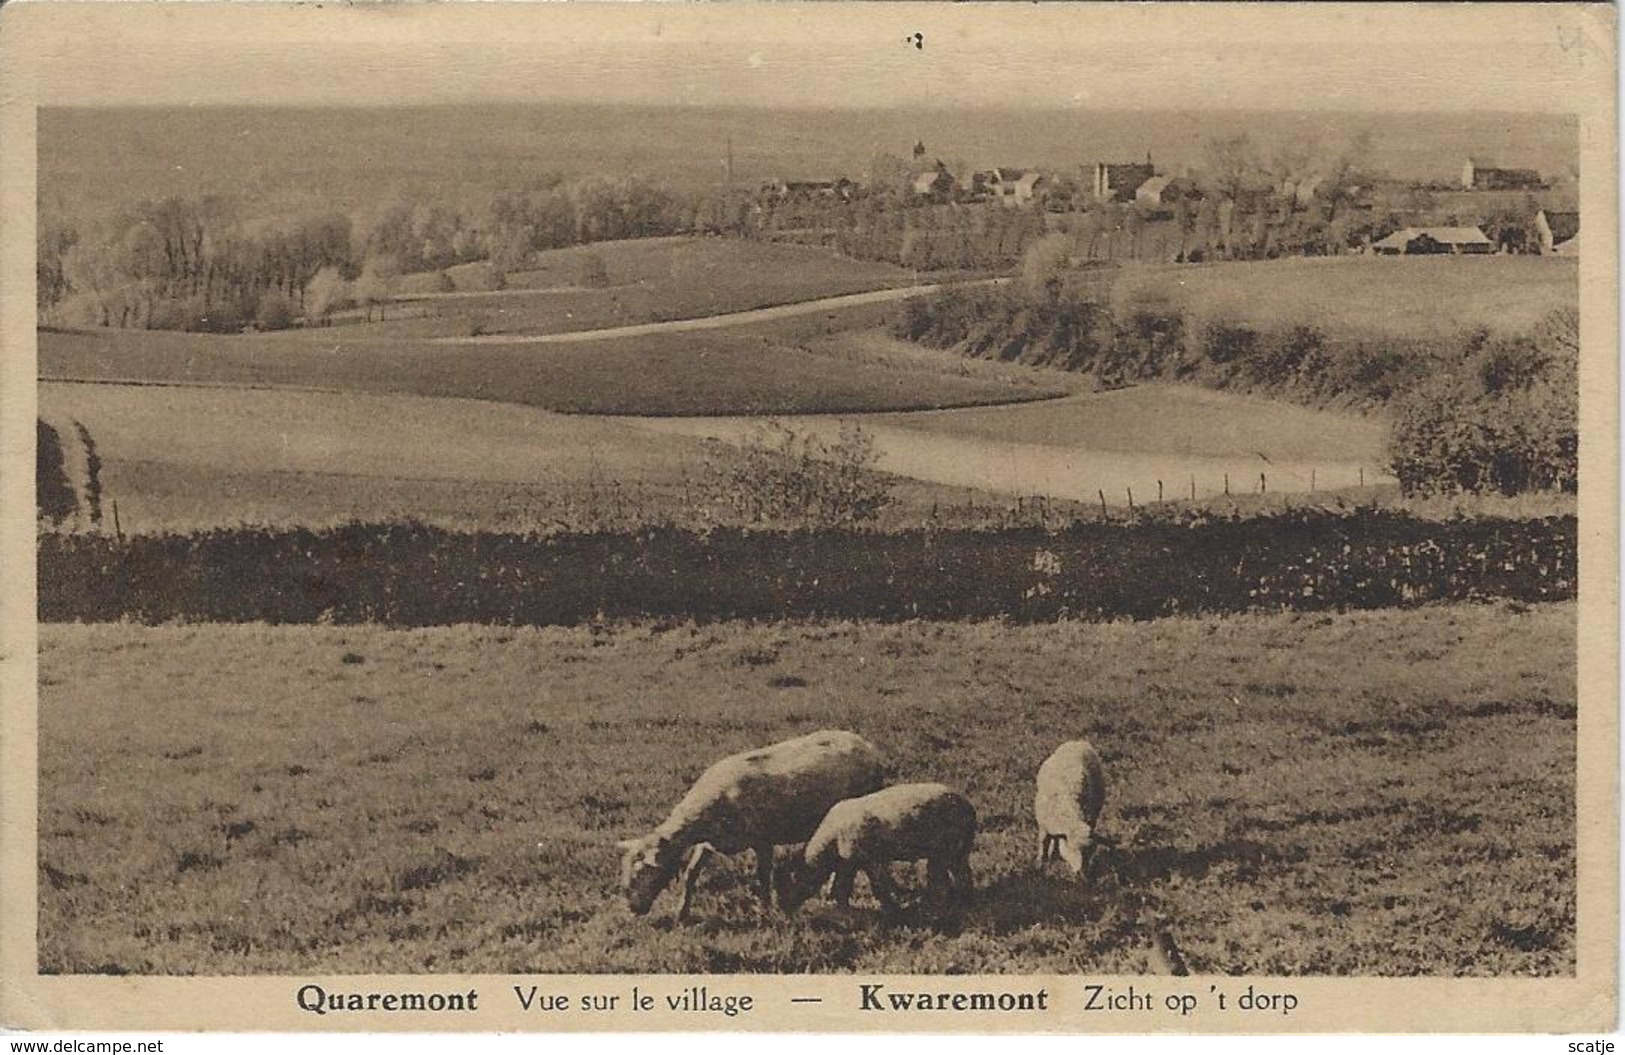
(754, 800)
(1071, 791)
(906, 822)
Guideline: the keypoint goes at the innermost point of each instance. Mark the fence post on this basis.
(1102, 494)
(1226, 483)
(1311, 481)
(1262, 486)
(1131, 499)
(118, 529)
(1159, 490)
(1193, 487)
(1362, 476)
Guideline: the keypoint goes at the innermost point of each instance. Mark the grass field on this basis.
(274, 800)
(180, 458)
(755, 371)
(651, 280)
(1410, 298)
(1168, 419)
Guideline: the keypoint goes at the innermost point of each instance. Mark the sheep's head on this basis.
(649, 865)
(793, 883)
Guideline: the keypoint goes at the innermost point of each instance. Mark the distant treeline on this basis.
(412, 575)
(220, 265)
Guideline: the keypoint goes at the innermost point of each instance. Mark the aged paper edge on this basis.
(29, 33)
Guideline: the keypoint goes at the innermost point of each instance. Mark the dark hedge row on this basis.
(414, 575)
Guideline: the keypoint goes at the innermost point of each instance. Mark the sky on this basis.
(1131, 56)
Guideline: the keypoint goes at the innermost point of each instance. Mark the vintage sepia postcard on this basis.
(1073, 518)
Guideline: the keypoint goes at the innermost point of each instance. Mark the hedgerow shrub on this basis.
(1485, 415)
(786, 476)
(1502, 417)
(410, 574)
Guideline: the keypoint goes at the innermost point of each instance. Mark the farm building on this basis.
(1165, 190)
(1476, 175)
(1414, 241)
(1013, 187)
(839, 189)
(936, 184)
(1150, 192)
(1556, 227)
(1118, 181)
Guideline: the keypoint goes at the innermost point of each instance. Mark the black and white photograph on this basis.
(838, 492)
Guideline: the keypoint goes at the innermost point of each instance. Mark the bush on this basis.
(194, 315)
(788, 477)
(1503, 418)
(274, 312)
(1223, 341)
(55, 497)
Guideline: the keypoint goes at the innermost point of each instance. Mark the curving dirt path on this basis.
(723, 320)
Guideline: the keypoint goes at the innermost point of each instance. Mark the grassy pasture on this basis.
(651, 280)
(1171, 419)
(358, 799)
(744, 371)
(1402, 298)
(184, 458)
(180, 458)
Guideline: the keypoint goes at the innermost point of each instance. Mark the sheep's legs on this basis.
(881, 883)
(1046, 848)
(964, 880)
(938, 882)
(764, 874)
(691, 876)
(841, 892)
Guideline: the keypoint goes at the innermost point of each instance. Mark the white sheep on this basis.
(754, 800)
(1071, 791)
(906, 822)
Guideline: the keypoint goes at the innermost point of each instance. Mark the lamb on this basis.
(754, 800)
(905, 822)
(1071, 791)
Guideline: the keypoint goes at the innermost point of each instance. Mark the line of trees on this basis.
(222, 265)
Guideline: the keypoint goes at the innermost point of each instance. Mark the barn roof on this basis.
(1155, 185)
(925, 182)
(1443, 235)
(1456, 235)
